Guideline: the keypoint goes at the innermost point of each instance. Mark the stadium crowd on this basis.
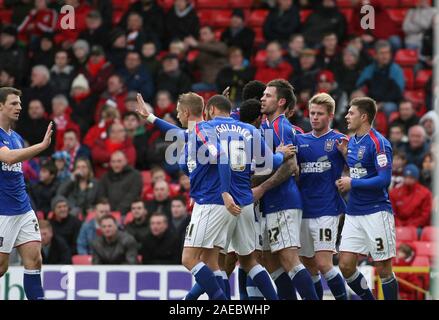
(105, 159)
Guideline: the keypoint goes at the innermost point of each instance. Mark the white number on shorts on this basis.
(273, 234)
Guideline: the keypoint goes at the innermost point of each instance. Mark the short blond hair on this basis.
(325, 100)
(193, 102)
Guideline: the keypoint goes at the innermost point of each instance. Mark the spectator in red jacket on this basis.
(61, 117)
(116, 91)
(108, 115)
(385, 27)
(164, 104)
(412, 202)
(103, 149)
(97, 70)
(41, 19)
(275, 66)
(405, 256)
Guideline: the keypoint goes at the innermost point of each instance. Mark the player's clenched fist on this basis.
(343, 184)
(289, 150)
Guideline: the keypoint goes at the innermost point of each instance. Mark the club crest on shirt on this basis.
(361, 151)
(329, 145)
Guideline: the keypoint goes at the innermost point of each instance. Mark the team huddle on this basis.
(264, 194)
(272, 196)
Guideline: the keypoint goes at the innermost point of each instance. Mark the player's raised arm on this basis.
(18, 155)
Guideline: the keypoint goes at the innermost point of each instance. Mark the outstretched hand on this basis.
(48, 136)
(142, 108)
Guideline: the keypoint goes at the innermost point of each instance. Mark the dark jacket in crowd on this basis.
(121, 189)
(180, 27)
(176, 83)
(281, 25)
(61, 81)
(123, 250)
(139, 230)
(33, 131)
(242, 38)
(160, 250)
(68, 229)
(41, 195)
(57, 252)
(15, 58)
(159, 206)
(80, 200)
(44, 94)
(235, 79)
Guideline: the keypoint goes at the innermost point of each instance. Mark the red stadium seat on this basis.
(347, 13)
(128, 218)
(344, 3)
(90, 216)
(428, 233)
(146, 177)
(260, 58)
(415, 96)
(393, 116)
(406, 234)
(117, 215)
(422, 77)
(406, 57)
(421, 261)
(5, 16)
(244, 4)
(192, 55)
(409, 78)
(40, 215)
(397, 15)
(166, 4)
(117, 16)
(82, 259)
(121, 4)
(209, 4)
(304, 15)
(390, 3)
(257, 17)
(424, 248)
(221, 18)
(206, 16)
(259, 36)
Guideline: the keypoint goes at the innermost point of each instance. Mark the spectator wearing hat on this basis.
(304, 79)
(97, 70)
(64, 224)
(65, 37)
(430, 122)
(54, 249)
(282, 21)
(149, 58)
(295, 47)
(235, 75)
(348, 72)
(91, 230)
(117, 140)
(95, 32)
(118, 48)
(140, 136)
(171, 78)
(81, 189)
(39, 20)
(44, 51)
(42, 192)
(61, 73)
(238, 34)
(275, 66)
(81, 50)
(114, 95)
(34, 126)
(327, 18)
(40, 89)
(83, 103)
(62, 163)
(407, 117)
(121, 184)
(417, 146)
(181, 21)
(383, 79)
(114, 246)
(136, 77)
(412, 202)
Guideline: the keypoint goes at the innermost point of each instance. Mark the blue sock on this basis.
(206, 279)
(358, 284)
(226, 285)
(318, 286)
(253, 291)
(390, 288)
(285, 289)
(336, 284)
(242, 281)
(301, 279)
(219, 279)
(32, 285)
(195, 292)
(263, 281)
